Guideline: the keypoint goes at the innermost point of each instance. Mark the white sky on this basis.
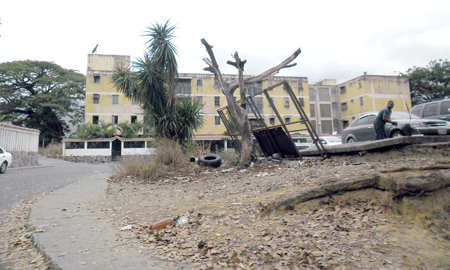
(339, 39)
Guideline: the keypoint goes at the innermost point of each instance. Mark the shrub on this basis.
(51, 150)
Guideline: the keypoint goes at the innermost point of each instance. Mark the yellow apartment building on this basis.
(205, 88)
(330, 106)
(370, 93)
(103, 102)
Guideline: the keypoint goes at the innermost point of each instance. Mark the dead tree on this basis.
(238, 111)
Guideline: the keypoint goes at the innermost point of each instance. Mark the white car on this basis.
(327, 140)
(5, 160)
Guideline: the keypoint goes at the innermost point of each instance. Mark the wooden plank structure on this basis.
(277, 138)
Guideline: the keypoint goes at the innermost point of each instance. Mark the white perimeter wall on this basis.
(14, 139)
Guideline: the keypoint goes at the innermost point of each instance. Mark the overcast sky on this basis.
(339, 39)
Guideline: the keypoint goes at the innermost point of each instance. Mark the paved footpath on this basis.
(77, 236)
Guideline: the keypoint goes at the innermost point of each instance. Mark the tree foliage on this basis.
(429, 83)
(38, 94)
(130, 130)
(93, 131)
(154, 86)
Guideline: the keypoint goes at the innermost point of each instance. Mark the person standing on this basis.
(382, 118)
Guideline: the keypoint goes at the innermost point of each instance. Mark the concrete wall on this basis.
(22, 143)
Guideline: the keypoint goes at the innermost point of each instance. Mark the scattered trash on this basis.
(236, 203)
(228, 170)
(243, 170)
(161, 224)
(252, 164)
(262, 174)
(201, 244)
(128, 227)
(182, 220)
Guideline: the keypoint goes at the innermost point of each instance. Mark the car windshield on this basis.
(402, 115)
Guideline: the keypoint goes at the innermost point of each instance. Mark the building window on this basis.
(259, 103)
(272, 121)
(324, 94)
(312, 109)
(287, 120)
(216, 82)
(115, 119)
(217, 120)
(95, 119)
(351, 101)
(96, 78)
(133, 101)
(361, 101)
(253, 88)
(359, 84)
(96, 98)
(286, 102)
(200, 100)
(302, 102)
(217, 101)
(183, 87)
(115, 99)
(342, 90)
(344, 106)
(199, 82)
(133, 119)
(325, 110)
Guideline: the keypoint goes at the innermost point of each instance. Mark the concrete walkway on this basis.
(76, 235)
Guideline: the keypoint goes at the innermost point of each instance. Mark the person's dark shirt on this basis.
(379, 121)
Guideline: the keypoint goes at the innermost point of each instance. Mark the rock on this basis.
(293, 164)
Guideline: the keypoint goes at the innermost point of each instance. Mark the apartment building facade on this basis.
(371, 93)
(330, 106)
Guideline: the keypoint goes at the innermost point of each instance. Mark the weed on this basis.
(51, 150)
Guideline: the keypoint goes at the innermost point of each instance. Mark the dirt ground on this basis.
(227, 226)
(366, 229)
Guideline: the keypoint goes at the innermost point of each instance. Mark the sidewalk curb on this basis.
(78, 234)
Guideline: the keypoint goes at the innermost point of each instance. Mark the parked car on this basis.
(408, 124)
(5, 160)
(439, 109)
(327, 140)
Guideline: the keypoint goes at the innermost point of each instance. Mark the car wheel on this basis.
(3, 167)
(351, 140)
(211, 160)
(397, 133)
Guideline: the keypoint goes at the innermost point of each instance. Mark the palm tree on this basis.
(130, 130)
(92, 131)
(153, 85)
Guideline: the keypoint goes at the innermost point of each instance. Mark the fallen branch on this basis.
(412, 185)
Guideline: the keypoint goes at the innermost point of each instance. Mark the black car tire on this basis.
(211, 160)
(397, 133)
(351, 140)
(3, 167)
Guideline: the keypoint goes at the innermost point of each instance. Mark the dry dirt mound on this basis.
(365, 229)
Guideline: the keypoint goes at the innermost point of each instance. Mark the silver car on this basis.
(407, 125)
(5, 160)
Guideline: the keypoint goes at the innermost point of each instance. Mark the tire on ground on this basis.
(211, 160)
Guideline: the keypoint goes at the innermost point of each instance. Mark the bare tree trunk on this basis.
(239, 113)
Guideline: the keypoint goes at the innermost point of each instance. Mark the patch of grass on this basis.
(169, 157)
(51, 150)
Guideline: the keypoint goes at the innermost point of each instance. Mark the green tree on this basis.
(93, 131)
(38, 94)
(430, 82)
(154, 86)
(130, 130)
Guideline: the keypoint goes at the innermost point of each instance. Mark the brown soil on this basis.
(365, 229)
